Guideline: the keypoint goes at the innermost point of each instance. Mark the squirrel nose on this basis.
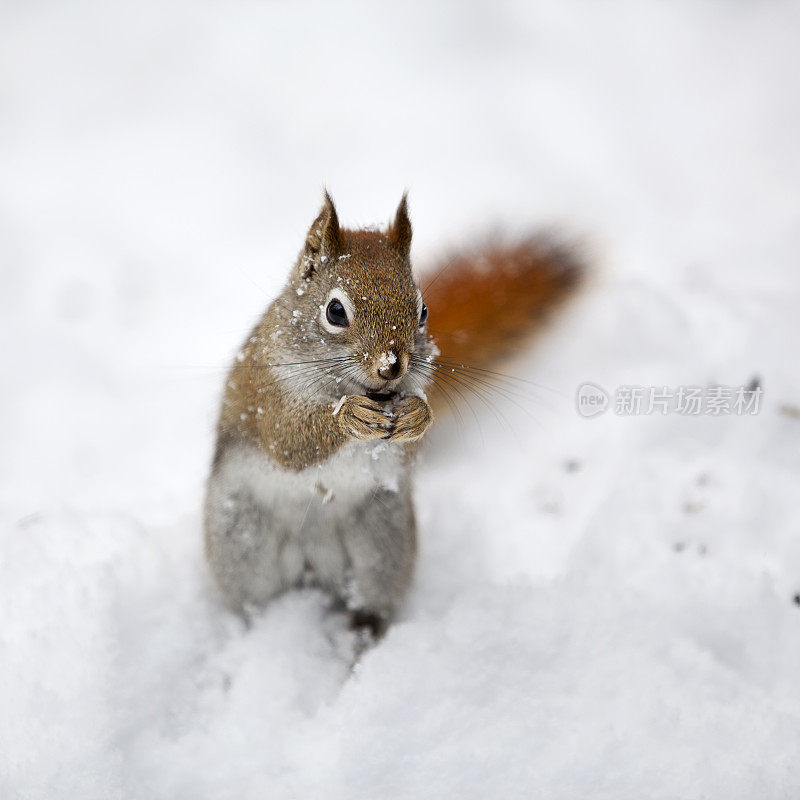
(391, 365)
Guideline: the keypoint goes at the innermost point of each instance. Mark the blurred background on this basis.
(616, 614)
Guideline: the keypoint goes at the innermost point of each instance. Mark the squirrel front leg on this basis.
(365, 419)
(298, 437)
(412, 417)
(362, 418)
(311, 434)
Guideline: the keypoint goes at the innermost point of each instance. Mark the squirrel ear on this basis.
(323, 238)
(400, 230)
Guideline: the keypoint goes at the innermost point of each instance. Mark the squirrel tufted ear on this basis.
(400, 230)
(322, 240)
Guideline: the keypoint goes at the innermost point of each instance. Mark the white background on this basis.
(622, 628)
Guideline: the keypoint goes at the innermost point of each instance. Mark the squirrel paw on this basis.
(363, 418)
(371, 627)
(412, 418)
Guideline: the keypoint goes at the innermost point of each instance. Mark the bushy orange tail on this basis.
(486, 303)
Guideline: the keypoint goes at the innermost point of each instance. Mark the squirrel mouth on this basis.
(381, 397)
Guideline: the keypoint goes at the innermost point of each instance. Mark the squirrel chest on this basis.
(331, 487)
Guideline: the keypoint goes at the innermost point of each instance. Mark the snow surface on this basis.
(603, 607)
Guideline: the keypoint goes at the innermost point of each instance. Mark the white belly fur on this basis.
(309, 510)
(352, 473)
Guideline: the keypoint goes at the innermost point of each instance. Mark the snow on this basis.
(603, 606)
(386, 359)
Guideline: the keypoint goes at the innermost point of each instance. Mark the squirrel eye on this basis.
(423, 315)
(336, 315)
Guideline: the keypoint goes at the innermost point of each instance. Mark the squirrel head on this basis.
(354, 301)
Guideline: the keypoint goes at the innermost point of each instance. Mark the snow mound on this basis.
(603, 607)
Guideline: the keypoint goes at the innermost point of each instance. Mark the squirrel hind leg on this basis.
(380, 543)
(244, 549)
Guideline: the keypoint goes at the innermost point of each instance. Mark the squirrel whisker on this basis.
(481, 388)
(439, 379)
(496, 375)
(493, 385)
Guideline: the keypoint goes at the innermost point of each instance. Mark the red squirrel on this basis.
(327, 401)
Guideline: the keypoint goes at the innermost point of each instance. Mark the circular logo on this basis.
(591, 400)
